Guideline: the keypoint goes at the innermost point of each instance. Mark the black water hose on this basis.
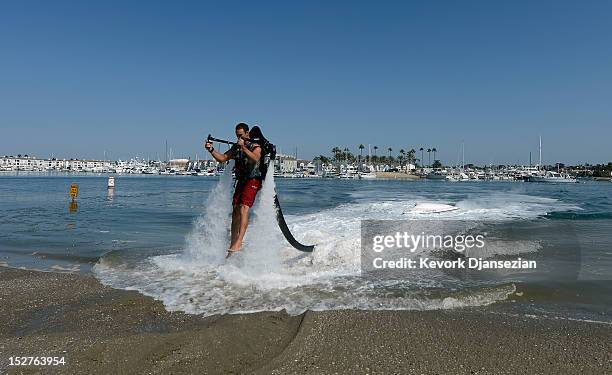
(286, 232)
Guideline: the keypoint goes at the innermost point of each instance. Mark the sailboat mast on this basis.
(463, 155)
(540, 149)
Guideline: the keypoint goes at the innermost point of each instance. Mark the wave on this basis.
(270, 275)
(228, 290)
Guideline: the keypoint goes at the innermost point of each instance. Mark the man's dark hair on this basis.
(242, 126)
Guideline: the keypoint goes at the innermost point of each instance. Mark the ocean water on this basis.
(165, 236)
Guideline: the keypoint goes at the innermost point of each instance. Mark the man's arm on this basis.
(217, 155)
(254, 155)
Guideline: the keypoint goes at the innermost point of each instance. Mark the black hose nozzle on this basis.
(210, 138)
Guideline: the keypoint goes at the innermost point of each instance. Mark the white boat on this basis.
(99, 170)
(118, 170)
(350, 172)
(455, 177)
(208, 173)
(367, 176)
(550, 176)
(150, 171)
(331, 173)
(436, 175)
(553, 177)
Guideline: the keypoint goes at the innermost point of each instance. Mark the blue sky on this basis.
(78, 78)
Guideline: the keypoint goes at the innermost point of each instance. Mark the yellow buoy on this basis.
(74, 191)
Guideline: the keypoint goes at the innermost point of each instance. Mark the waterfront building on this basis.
(285, 163)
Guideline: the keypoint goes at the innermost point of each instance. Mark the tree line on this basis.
(344, 155)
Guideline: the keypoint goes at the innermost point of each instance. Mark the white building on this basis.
(178, 164)
(285, 163)
(31, 163)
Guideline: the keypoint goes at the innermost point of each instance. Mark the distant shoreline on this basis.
(396, 176)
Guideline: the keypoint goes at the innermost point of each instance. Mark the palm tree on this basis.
(411, 158)
(402, 155)
(412, 153)
(320, 161)
(350, 157)
(361, 147)
(375, 157)
(421, 149)
(322, 158)
(429, 157)
(434, 152)
(335, 151)
(346, 153)
(389, 149)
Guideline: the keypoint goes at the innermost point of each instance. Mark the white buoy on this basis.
(111, 182)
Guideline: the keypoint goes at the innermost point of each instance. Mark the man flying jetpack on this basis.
(252, 153)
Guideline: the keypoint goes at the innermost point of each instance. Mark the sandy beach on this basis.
(397, 176)
(100, 330)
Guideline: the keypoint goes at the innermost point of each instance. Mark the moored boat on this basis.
(553, 177)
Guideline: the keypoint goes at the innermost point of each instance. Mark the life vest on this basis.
(246, 168)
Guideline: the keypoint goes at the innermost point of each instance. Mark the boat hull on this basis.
(560, 180)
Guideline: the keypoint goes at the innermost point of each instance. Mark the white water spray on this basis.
(265, 237)
(326, 279)
(259, 259)
(209, 238)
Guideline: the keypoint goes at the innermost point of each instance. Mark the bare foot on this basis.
(231, 252)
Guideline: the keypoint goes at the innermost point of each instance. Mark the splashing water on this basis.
(269, 275)
(209, 238)
(263, 242)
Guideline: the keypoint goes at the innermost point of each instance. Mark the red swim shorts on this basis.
(246, 191)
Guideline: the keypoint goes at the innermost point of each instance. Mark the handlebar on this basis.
(211, 138)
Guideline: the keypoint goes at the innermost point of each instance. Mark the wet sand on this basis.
(397, 176)
(100, 330)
